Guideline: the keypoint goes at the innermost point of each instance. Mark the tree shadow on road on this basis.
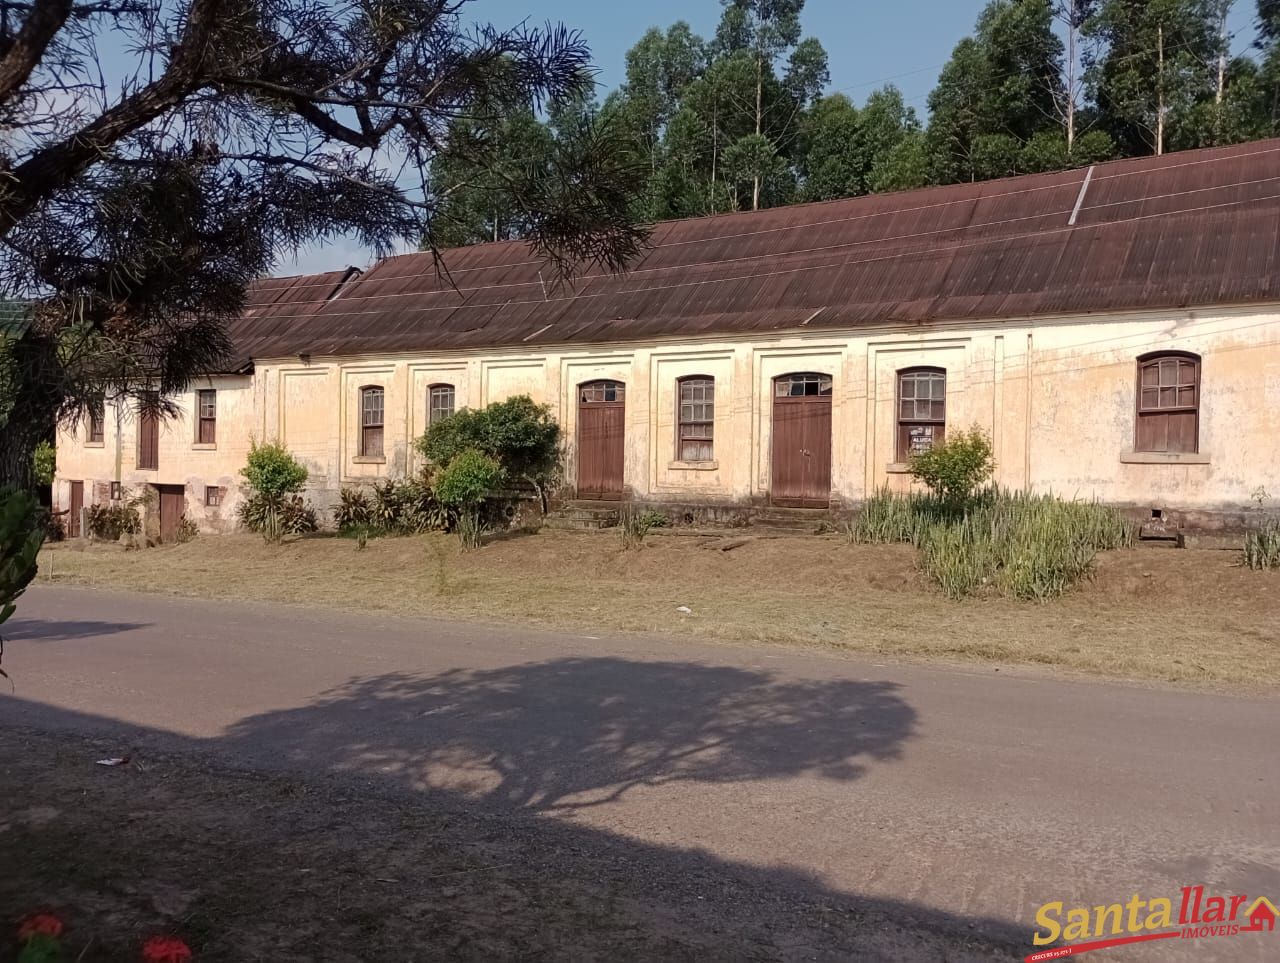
(62, 630)
(580, 732)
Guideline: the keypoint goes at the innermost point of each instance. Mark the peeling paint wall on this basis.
(1057, 397)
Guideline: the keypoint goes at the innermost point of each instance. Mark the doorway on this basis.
(76, 510)
(173, 505)
(801, 474)
(602, 418)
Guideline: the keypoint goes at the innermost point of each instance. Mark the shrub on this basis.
(1262, 547)
(1016, 544)
(634, 525)
(273, 471)
(108, 522)
(273, 519)
(521, 436)
(274, 508)
(390, 508)
(21, 534)
(44, 463)
(463, 485)
(955, 469)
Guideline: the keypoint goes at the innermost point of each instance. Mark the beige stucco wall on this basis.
(1067, 433)
(182, 460)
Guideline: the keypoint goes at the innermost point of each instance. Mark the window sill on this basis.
(369, 460)
(204, 446)
(693, 465)
(95, 444)
(898, 468)
(1163, 458)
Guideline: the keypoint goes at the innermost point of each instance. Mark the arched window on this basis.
(1168, 402)
(440, 402)
(922, 410)
(371, 420)
(696, 418)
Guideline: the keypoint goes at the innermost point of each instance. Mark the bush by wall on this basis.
(274, 508)
(997, 542)
(1262, 547)
(390, 507)
(955, 469)
(463, 485)
(107, 521)
(520, 435)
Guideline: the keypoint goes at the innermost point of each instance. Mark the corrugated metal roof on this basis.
(1195, 228)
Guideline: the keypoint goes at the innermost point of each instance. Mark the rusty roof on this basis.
(1191, 229)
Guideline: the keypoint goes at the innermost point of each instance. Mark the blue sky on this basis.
(900, 41)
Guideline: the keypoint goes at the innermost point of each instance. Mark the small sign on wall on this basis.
(920, 439)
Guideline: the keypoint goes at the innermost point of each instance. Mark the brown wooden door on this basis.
(77, 507)
(802, 441)
(173, 504)
(602, 416)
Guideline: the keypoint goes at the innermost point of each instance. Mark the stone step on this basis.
(578, 524)
(779, 511)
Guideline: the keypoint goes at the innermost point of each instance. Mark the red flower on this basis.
(165, 949)
(39, 924)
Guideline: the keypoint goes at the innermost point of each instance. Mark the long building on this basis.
(1114, 329)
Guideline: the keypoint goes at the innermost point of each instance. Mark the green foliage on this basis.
(1007, 543)
(273, 507)
(45, 463)
(467, 478)
(955, 469)
(521, 436)
(108, 521)
(21, 535)
(276, 517)
(272, 471)
(634, 525)
(1262, 547)
(187, 530)
(462, 485)
(390, 507)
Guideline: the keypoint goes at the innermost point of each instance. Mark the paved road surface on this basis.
(970, 791)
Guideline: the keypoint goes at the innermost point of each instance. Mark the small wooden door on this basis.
(173, 504)
(801, 441)
(602, 416)
(77, 508)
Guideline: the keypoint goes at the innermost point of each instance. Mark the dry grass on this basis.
(1180, 616)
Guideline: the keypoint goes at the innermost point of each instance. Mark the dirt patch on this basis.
(245, 866)
(1161, 614)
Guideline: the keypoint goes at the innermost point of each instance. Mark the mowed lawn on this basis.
(1149, 613)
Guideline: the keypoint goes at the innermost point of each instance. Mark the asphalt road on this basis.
(974, 792)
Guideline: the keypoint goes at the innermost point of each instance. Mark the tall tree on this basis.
(1157, 63)
(1002, 86)
(1072, 15)
(842, 147)
(1268, 44)
(763, 31)
(139, 196)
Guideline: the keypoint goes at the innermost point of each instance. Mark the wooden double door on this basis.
(173, 505)
(801, 474)
(602, 419)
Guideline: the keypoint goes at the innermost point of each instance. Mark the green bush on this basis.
(463, 485)
(1262, 547)
(521, 436)
(272, 471)
(634, 525)
(21, 534)
(1008, 543)
(275, 518)
(45, 463)
(108, 522)
(955, 469)
(273, 507)
(390, 508)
